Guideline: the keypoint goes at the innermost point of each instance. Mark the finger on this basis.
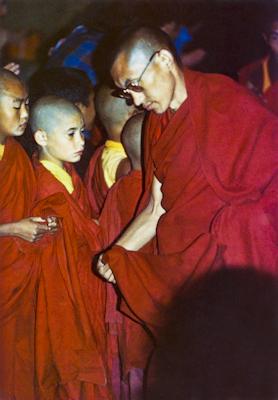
(42, 228)
(38, 219)
(111, 278)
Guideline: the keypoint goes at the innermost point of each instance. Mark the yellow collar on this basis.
(112, 144)
(60, 174)
(2, 149)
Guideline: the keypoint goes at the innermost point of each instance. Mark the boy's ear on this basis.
(40, 137)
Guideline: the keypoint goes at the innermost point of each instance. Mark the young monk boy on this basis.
(19, 265)
(129, 344)
(70, 312)
(109, 161)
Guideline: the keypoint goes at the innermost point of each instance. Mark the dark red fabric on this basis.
(217, 162)
(96, 186)
(70, 327)
(271, 98)
(133, 343)
(19, 269)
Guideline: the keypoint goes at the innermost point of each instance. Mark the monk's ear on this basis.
(165, 58)
(40, 137)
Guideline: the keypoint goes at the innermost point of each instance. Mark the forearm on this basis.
(142, 229)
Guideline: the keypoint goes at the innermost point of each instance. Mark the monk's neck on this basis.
(180, 92)
(43, 156)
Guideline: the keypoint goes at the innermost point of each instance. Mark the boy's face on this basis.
(65, 142)
(14, 110)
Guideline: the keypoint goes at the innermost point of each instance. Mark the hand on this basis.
(105, 271)
(32, 229)
(13, 67)
(52, 223)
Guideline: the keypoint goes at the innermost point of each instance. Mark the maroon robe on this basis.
(95, 183)
(120, 206)
(70, 327)
(19, 271)
(216, 158)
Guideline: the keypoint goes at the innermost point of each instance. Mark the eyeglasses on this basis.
(134, 84)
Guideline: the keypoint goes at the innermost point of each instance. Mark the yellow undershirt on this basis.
(2, 148)
(113, 153)
(60, 174)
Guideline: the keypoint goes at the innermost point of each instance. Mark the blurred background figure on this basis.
(19, 46)
(221, 342)
(261, 76)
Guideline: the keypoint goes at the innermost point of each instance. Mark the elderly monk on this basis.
(20, 234)
(212, 149)
(109, 162)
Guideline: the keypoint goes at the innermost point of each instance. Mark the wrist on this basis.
(7, 229)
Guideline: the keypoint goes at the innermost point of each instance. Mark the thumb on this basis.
(38, 219)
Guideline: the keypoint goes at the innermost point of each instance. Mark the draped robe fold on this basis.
(19, 270)
(70, 328)
(130, 345)
(95, 183)
(216, 158)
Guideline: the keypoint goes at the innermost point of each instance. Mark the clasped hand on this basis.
(104, 270)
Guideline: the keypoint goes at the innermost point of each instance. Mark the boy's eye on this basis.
(71, 133)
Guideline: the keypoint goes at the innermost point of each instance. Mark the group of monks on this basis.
(90, 271)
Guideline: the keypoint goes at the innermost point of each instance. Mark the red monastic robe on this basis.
(131, 340)
(19, 269)
(70, 326)
(216, 158)
(96, 186)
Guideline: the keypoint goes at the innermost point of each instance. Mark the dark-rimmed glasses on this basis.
(134, 84)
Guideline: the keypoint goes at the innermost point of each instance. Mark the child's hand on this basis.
(105, 271)
(52, 223)
(30, 229)
(13, 67)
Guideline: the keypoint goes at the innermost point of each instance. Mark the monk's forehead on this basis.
(67, 116)
(128, 66)
(12, 88)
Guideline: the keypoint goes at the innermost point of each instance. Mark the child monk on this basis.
(70, 329)
(20, 235)
(109, 162)
(129, 343)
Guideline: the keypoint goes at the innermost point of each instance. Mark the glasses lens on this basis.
(121, 94)
(135, 88)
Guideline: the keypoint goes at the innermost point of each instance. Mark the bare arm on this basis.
(143, 228)
(140, 232)
(30, 229)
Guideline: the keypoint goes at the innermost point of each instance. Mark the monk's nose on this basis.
(137, 99)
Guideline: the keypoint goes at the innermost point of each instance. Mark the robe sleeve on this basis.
(149, 283)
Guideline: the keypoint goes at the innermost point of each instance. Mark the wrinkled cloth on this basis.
(19, 271)
(70, 320)
(216, 158)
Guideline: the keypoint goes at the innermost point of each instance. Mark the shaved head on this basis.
(132, 139)
(49, 111)
(7, 77)
(142, 42)
(113, 112)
